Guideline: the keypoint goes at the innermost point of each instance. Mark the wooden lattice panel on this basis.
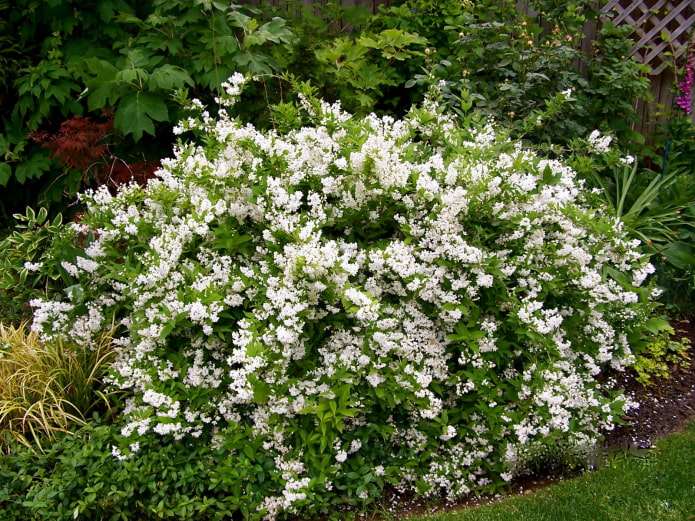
(650, 18)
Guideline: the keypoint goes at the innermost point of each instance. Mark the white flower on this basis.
(598, 143)
(449, 434)
(87, 265)
(70, 268)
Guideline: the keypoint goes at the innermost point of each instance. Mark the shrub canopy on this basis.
(373, 301)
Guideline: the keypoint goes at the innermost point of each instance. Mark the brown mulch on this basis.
(666, 406)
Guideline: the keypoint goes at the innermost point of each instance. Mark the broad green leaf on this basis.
(226, 44)
(105, 96)
(137, 112)
(139, 59)
(137, 76)
(5, 173)
(368, 42)
(169, 77)
(32, 168)
(101, 69)
(127, 18)
(656, 325)
(249, 452)
(242, 21)
(253, 63)
(261, 392)
(275, 31)
(104, 90)
(681, 255)
(550, 177)
(106, 10)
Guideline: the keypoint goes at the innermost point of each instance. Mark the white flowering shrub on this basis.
(372, 301)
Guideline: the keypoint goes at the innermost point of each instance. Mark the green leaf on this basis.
(135, 76)
(137, 112)
(253, 62)
(261, 392)
(551, 178)
(169, 77)
(656, 325)
(104, 91)
(102, 70)
(275, 31)
(249, 452)
(226, 44)
(679, 254)
(5, 173)
(32, 168)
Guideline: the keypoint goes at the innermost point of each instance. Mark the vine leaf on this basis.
(137, 112)
(103, 89)
(32, 168)
(168, 77)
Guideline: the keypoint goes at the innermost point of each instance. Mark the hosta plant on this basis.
(373, 301)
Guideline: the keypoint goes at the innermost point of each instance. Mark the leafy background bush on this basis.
(120, 56)
(78, 476)
(30, 260)
(128, 58)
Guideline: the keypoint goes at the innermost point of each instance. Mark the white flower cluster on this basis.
(431, 292)
(598, 143)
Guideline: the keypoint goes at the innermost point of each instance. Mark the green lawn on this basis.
(657, 487)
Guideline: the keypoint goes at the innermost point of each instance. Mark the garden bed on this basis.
(666, 407)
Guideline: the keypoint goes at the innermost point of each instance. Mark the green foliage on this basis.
(509, 65)
(677, 264)
(30, 258)
(359, 71)
(616, 82)
(79, 478)
(367, 68)
(655, 203)
(138, 59)
(676, 276)
(121, 56)
(657, 352)
(179, 45)
(656, 208)
(48, 387)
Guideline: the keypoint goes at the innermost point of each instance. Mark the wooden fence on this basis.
(663, 33)
(371, 5)
(662, 29)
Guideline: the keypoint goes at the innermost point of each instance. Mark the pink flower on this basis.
(685, 87)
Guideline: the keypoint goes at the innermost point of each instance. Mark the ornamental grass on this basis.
(47, 387)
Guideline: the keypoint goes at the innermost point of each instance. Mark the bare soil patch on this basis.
(666, 406)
